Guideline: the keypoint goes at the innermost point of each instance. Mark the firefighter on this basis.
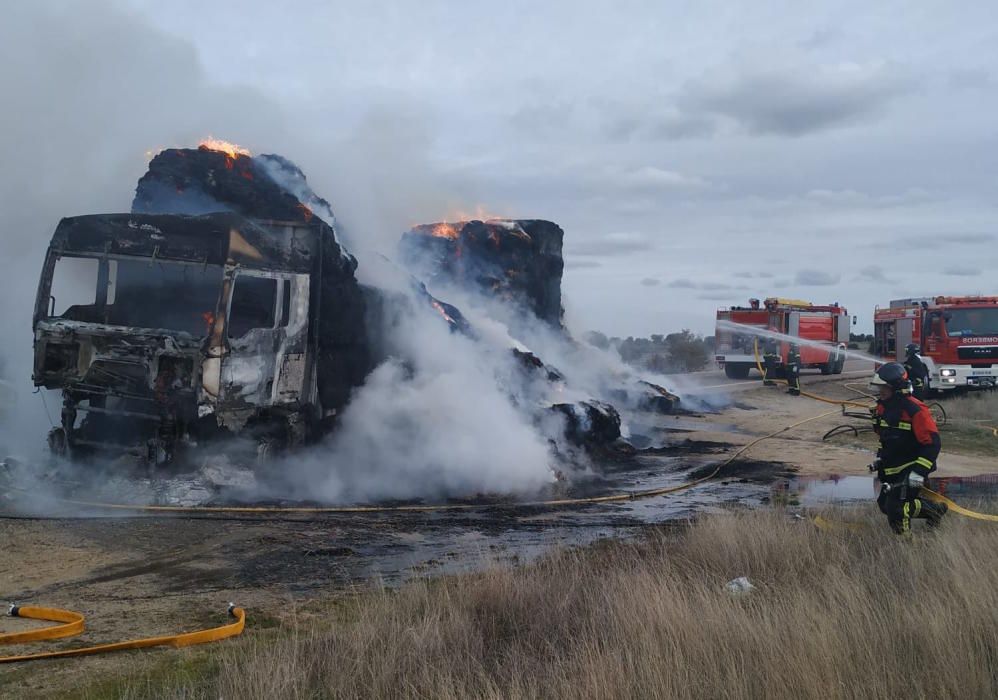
(793, 370)
(770, 361)
(909, 446)
(917, 371)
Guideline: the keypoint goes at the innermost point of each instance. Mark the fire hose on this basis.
(72, 624)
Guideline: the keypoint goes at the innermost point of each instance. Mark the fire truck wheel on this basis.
(828, 368)
(736, 370)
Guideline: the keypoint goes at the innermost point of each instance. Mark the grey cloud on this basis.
(650, 282)
(961, 271)
(787, 98)
(714, 296)
(748, 274)
(873, 273)
(613, 244)
(933, 239)
(972, 79)
(816, 278)
(684, 283)
(574, 264)
(839, 198)
(968, 238)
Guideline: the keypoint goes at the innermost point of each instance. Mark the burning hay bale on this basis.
(518, 261)
(589, 423)
(533, 364)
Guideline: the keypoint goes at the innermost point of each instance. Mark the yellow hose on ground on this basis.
(185, 639)
(72, 624)
(966, 512)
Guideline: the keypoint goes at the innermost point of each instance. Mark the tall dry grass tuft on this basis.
(979, 406)
(835, 615)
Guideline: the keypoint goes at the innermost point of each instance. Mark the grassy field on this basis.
(969, 428)
(971, 421)
(980, 407)
(835, 614)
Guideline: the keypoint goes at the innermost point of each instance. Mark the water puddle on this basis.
(823, 491)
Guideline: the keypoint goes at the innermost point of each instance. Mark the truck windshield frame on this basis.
(971, 322)
(142, 292)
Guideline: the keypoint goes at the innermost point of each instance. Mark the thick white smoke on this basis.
(437, 423)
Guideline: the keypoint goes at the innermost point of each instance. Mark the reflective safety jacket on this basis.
(917, 371)
(909, 438)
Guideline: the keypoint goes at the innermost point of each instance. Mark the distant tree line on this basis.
(684, 351)
(860, 340)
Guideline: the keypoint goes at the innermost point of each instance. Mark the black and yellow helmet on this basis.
(893, 374)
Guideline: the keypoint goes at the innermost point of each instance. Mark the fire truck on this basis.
(825, 327)
(958, 337)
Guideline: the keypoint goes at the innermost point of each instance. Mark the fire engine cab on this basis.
(826, 328)
(958, 337)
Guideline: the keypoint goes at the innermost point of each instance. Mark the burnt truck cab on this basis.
(163, 331)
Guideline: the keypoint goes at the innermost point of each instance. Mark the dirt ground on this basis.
(144, 576)
(762, 410)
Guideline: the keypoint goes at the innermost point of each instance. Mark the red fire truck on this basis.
(958, 337)
(826, 325)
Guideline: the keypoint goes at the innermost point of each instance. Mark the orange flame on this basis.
(459, 216)
(443, 312)
(230, 149)
(444, 230)
(306, 212)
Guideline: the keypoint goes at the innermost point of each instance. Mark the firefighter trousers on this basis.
(771, 365)
(793, 378)
(900, 503)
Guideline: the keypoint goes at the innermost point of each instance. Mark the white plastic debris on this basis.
(739, 586)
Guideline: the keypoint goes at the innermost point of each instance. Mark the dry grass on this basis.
(980, 406)
(971, 420)
(836, 614)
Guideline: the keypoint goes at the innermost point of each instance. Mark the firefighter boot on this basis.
(933, 512)
(793, 384)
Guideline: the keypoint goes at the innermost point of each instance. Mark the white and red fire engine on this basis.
(958, 337)
(826, 328)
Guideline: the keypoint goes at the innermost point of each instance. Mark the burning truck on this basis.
(194, 324)
(221, 305)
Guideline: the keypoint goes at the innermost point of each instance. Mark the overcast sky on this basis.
(695, 153)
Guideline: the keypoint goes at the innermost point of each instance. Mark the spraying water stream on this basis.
(766, 333)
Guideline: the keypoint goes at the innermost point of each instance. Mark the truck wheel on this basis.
(736, 370)
(827, 368)
(840, 363)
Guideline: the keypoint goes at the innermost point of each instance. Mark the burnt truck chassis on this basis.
(152, 392)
